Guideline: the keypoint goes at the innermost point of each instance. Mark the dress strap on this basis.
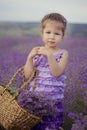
(59, 55)
(61, 51)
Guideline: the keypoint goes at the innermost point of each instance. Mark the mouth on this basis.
(51, 42)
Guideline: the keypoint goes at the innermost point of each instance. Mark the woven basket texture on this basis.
(12, 116)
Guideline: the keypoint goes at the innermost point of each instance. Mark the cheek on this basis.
(45, 37)
(60, 38)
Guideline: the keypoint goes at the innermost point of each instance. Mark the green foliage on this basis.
(67, 123)
(78, 106)
(12, 90)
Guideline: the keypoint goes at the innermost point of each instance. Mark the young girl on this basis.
(50, 61)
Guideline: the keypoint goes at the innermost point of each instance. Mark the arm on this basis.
(29, 65)
(28, 68)
(56, 68)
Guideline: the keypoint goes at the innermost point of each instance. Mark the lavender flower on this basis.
(13, 53)
(37, 103)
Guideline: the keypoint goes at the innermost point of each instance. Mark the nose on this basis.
(52, 36)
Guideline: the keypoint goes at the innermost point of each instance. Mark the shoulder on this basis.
(65, 52)
(64, 55)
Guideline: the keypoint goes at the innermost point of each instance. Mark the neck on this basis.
(53, 50)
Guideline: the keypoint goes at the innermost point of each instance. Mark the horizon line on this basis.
(9, 21)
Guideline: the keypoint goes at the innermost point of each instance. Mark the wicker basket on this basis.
(12, 116)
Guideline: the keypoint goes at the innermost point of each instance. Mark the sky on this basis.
(75, 11)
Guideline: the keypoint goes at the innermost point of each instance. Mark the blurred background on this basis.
(20, 32)
(20, 17)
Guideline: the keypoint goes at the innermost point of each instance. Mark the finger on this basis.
(37, 47)
(39, 52)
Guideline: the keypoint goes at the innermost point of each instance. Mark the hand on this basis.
(43, 51)
(33, 52)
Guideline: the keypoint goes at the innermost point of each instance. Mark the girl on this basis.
(50, 61)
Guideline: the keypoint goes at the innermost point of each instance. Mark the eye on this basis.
(48, 32)
(57, 34)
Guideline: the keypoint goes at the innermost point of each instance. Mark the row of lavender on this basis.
(13, 54)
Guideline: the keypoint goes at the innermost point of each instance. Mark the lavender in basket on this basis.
(37, 103)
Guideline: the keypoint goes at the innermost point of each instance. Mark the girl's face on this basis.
(52, 34)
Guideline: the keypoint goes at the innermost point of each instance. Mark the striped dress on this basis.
(52, 87)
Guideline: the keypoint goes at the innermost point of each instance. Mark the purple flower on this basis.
(13, 54)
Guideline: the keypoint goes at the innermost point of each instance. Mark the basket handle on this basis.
(35, 72)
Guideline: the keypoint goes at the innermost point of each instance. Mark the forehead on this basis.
(53, 24)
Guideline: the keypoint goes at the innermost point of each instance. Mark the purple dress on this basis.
(52, 87)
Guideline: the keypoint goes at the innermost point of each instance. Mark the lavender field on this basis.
(13, 53)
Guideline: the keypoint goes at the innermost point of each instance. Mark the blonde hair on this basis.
(54, 17)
